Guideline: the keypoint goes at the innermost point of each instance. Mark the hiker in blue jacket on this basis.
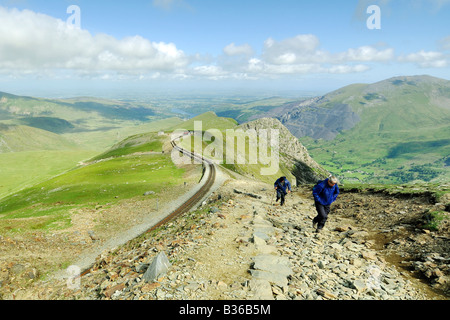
(325, 193)
(283, 187)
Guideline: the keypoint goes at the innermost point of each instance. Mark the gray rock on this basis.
(214, 210)
(274, 278)
(159, 266)
(261, 289)
(359, 285)
(93, 236)
(261, 235)
(273, 268)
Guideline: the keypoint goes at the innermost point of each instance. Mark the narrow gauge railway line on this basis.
(198, 196)
(193, 200)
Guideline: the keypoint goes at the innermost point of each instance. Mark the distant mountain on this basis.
(413, 100)
(395, 130)
(92, 123)
(73, 115)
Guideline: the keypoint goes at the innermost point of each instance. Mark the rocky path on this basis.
(239, 246)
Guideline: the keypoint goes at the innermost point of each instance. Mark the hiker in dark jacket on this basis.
(283, 187)
(325, 193)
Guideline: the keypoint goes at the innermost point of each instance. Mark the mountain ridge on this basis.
(353, 131)
(340, 110)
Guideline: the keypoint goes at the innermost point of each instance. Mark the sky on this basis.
(98, 47)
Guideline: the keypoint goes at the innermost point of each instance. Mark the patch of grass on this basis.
(19, 138)
(209, 121)
(24, 169)
(149, 142)
(435, 219)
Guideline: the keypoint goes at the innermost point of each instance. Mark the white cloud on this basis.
(427, 59)
(367, 54)
(43, 46)
(33, 42)
(233, 50)
(211, 71)
(345, 69)
(293, 50)
(305, 49)
(302, 55)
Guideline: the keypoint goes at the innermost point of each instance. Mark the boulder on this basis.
(160, 265)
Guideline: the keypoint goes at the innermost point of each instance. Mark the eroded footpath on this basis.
(239, 246)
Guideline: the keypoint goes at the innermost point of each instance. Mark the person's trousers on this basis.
(322, 215)
(281, 195)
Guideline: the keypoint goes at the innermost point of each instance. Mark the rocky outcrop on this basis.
(315, 118)
(319, 122)
(293, 154)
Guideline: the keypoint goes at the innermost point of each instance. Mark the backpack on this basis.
(318, 182)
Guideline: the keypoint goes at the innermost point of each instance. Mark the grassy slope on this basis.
(211, 121)
(400, 130)
(24, 169)
(47, 205)
(18, 138)
(30, 155)
(146, 142)
(103, 139)
(39, 155)
(121, 174)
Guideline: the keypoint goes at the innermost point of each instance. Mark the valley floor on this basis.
(239, 246)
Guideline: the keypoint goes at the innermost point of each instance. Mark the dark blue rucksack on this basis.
(318, 182)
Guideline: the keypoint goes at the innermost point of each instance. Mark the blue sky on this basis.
(210, 44)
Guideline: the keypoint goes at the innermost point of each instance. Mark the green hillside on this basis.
(124, 175)
(141, 143)
(402, 133)
(17, 138)
(29, 155)
(78, 116)
(243, 161)
(209, 120)
(40, 138)
(20, 170)
(101, 140)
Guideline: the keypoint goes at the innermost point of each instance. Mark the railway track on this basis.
(210, 169)
(198, 196)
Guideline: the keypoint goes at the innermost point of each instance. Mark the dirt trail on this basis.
(212, 251)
